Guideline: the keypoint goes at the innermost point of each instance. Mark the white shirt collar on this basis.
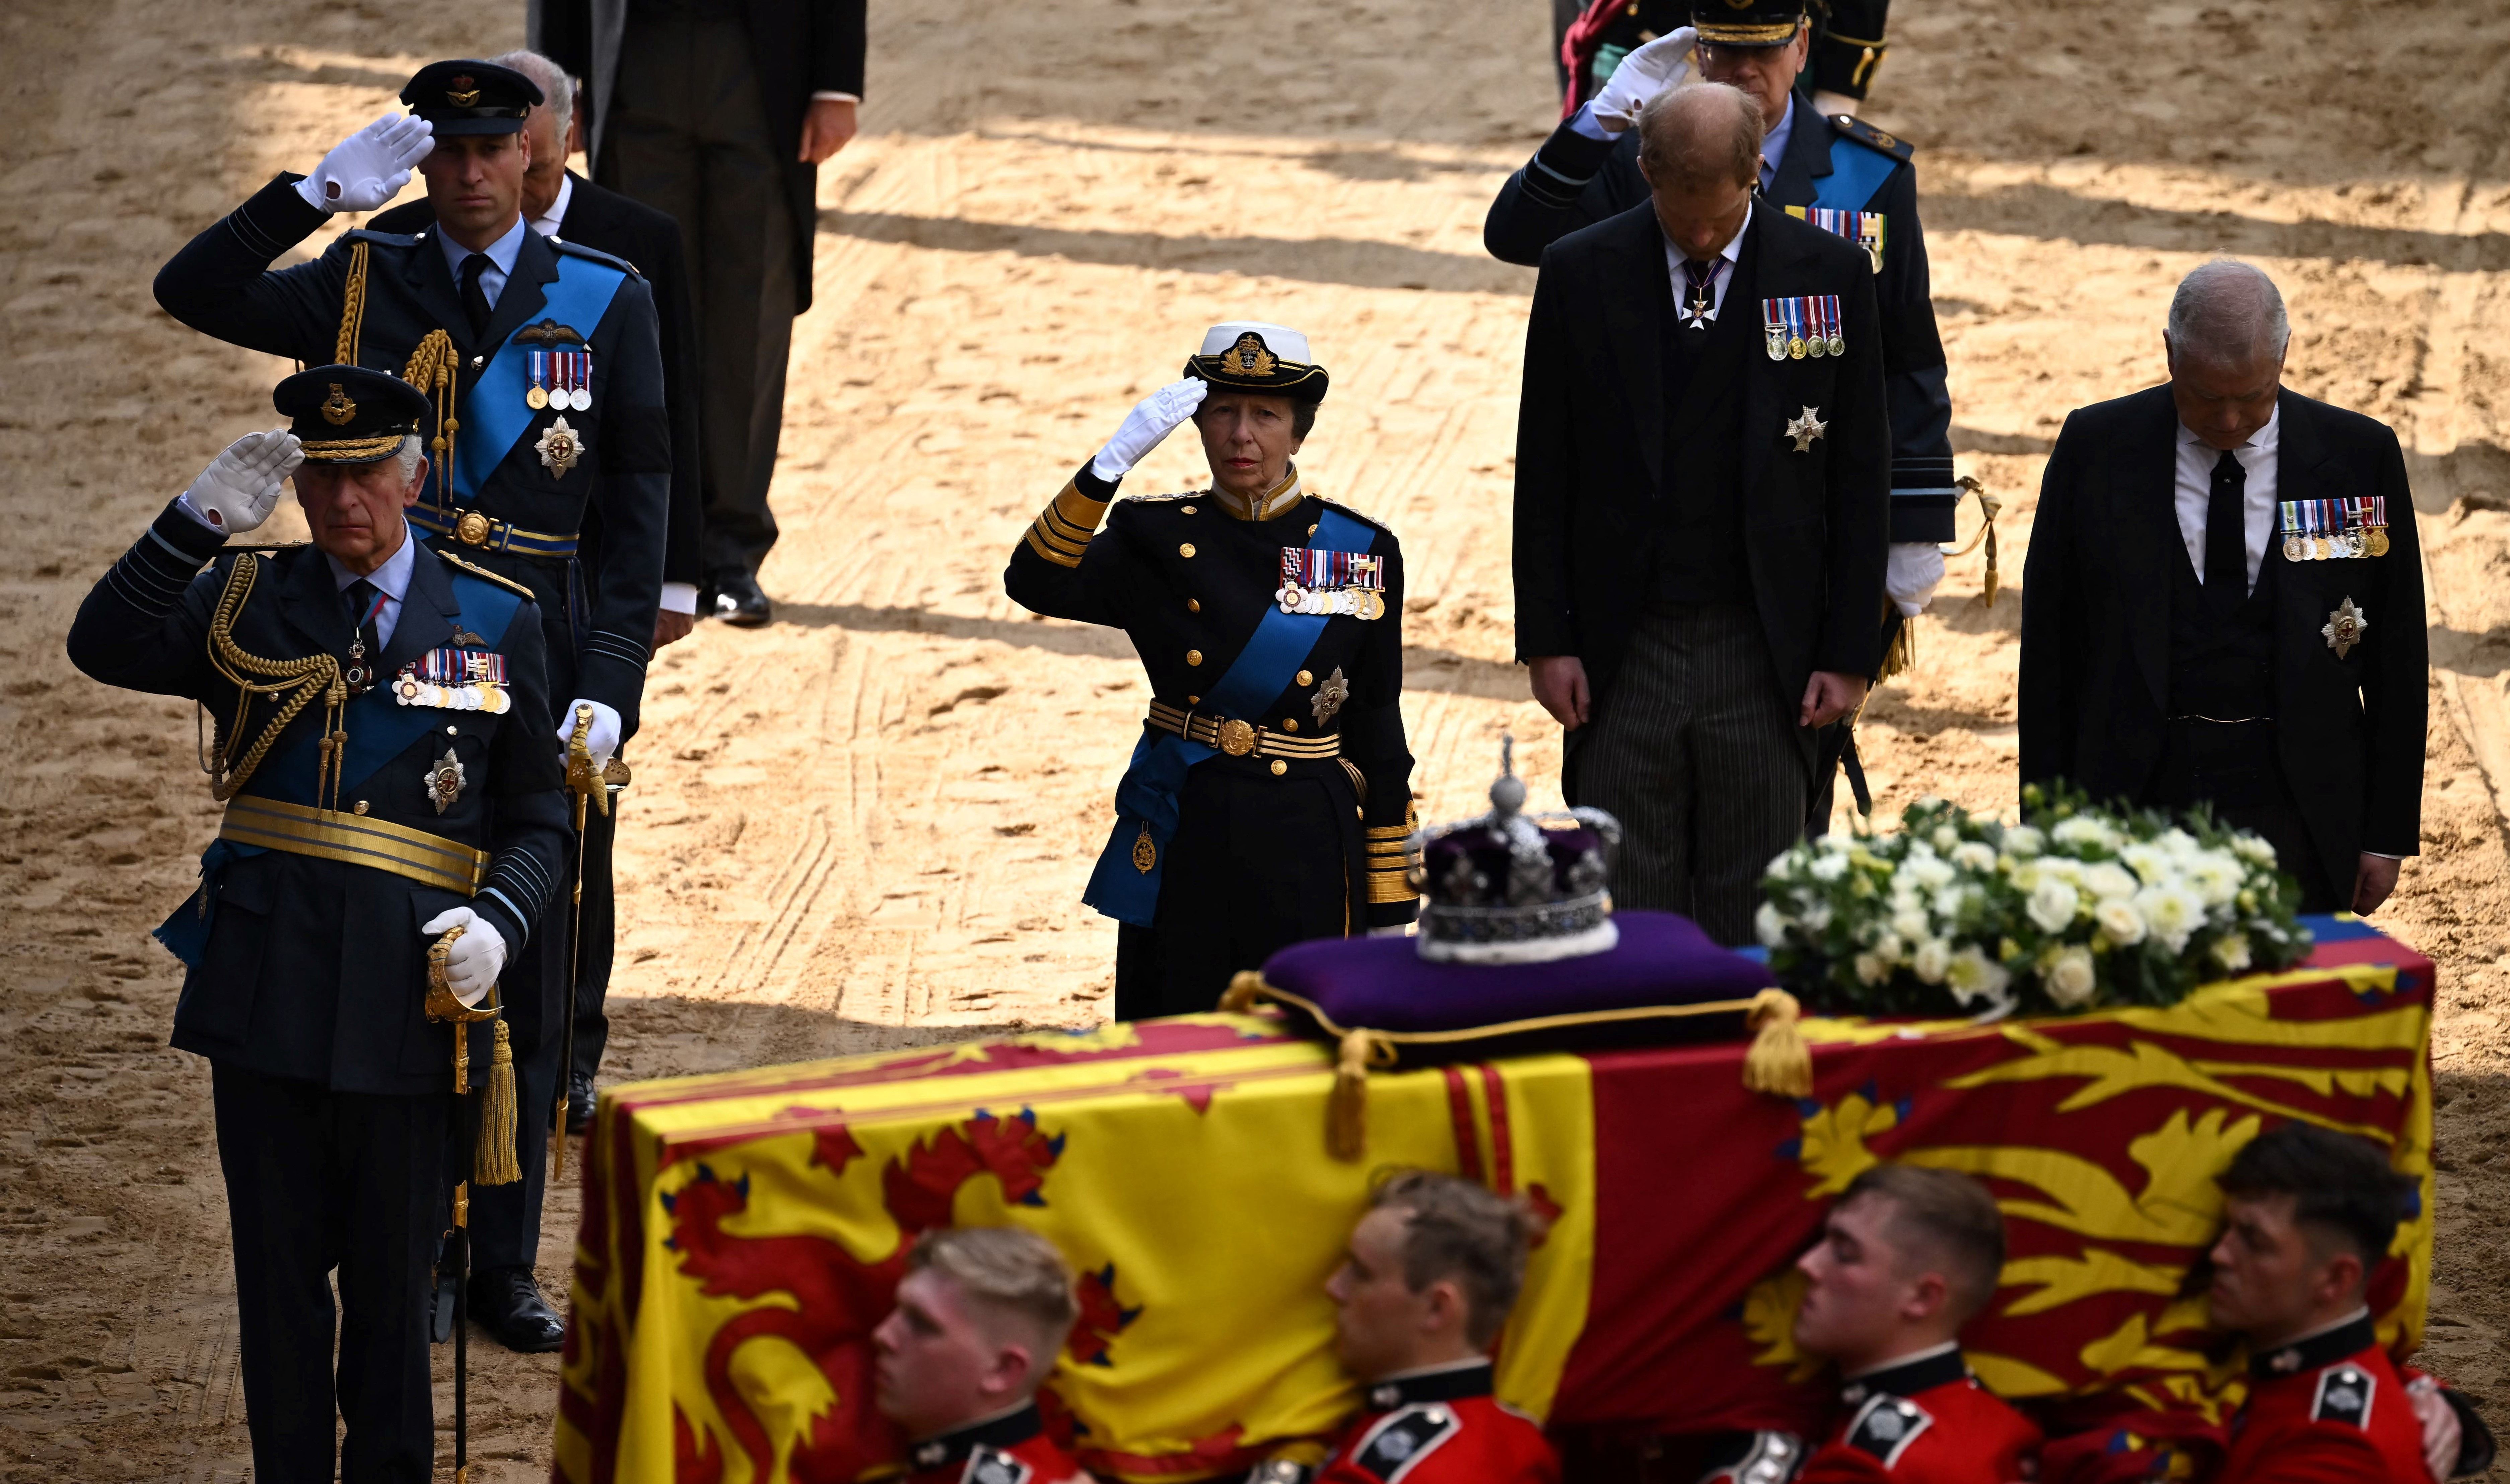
(502, 252)
(392, 579)
(1774, 144)
(547, 223)
(2264, 441)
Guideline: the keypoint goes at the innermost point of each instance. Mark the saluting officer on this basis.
(1846, 47)
(383, 747)
(1270, 794)
(543, 361)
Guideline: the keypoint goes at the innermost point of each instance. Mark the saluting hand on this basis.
(239, 489)
(1641, 76)
(1151, 419)
(369, 167)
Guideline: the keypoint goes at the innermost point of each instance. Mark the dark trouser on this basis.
(600, 927)
(2235, 767)
(1695, 749)
(318, 1180)
(506, 1219)
(1258, 863)
(688, 135)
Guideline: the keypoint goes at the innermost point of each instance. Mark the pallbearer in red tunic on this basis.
(1906, 1257)
(982, 1315)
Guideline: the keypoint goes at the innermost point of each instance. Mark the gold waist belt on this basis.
(326, 834)
(1239, 739)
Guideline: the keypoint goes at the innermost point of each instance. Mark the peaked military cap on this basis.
(462, 97)
(1250, 356)
(1747, 22)
(347, 414)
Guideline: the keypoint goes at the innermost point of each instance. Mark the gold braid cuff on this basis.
(1061, 531)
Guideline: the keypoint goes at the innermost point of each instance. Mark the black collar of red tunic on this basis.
(2310, 1352)
(1008, 1430)
(1907, 1378)
(1445, 1383)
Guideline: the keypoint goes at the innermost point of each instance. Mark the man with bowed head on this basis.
(982, 1315)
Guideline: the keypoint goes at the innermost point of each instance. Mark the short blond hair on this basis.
(1455, 1229)
(1007, 1271)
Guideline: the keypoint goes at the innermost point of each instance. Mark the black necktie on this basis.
(474, 299)
(366, 648)
(2226, 536)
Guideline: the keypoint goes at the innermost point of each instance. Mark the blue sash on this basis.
(1856, 171)
(380, 728)
(494, 414)
(1148, 795)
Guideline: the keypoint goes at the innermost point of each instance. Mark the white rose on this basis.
(2052, 906)
(1973, 975)
(1929, 873)
(1835, 844)
(2108, 880)
(1891, 948)
(2180, 845)
(1871, 967)
(2216, 876)
(2253, 849)
(2082, 830)
(2149, 862)
(1949, 901)
(1947, 839)
(2171, 913)
(1972, 855)
(2233, 951)
(1934, 959)
(2024, 842)
(1829, 866)
(1771, 924)
(1911, 924)
(2064, 869)
(2072, 980)
(2024, 877)
(2120, 921)
(1816, 917)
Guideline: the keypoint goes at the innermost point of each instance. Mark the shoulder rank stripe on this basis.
(1864, 228)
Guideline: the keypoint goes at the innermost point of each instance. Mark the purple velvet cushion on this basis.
(1381, 984)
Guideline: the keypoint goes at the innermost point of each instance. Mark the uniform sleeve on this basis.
(837, 46)
(1372, 734)
(1851, 641)
(220, 281)
(1572, 181)
(632, 492)
(1546, 624)
(1065, 567)
(2395, 700)
(527, 838)
(1838, 1463)
(675, 320)
(2051, 619)
(1851, 46)
(1922, 493)
(144, 626)
(2321, 1453)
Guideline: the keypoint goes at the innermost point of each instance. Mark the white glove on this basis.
(1151, 419)
(1916, 568)
(235, 494)
(602, 741)
(473, 962)
(368, 167)
(1641, 76)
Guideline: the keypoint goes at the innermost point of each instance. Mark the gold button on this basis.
(1312, 530)
(1194, 700)
(1189, 509)
(1289, 723)
(1194, 605)
(1280, 767)
(1185, 550)
(361, 808)
(1194, 657)
(1307, 677)
(1358, 813)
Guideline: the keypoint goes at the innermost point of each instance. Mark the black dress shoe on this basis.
(736, 599)
(579, 1105)
(439, 1315)
(507, 1302)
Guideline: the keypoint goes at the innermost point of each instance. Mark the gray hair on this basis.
(413, 448)
(1702, 131)
(2227, 311)
(558, 90)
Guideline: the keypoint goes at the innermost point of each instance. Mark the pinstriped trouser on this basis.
(1693, 749)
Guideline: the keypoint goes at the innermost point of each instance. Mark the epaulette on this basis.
(370, 235)
(992, 1465)
(1885, 1426)
(596, 254)
(1849, 126)
(478, 571)
(1402, 1438)
(1359, 516)
(2344, 1395)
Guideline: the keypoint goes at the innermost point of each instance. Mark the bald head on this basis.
(2228, 311)
(1704, 132)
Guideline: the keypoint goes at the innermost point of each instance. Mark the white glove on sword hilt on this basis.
(368, 167)
(239, 489)
(1641, 76)
(1151, 419)
(472, 961)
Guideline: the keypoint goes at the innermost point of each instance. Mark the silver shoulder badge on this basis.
(1885, 1426)
(1402, 1438)
(2344, 1396)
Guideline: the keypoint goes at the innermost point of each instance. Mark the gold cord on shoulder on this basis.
(434, 369)
(296, 681)
(353, 307)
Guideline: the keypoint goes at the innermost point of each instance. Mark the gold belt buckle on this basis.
(471, 530)
(1236, 738)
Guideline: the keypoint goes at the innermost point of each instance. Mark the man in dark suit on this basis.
(546, 355)
(334, 873)
(719, 112)
(558, 203)
(1700, 510)
(2224, 604)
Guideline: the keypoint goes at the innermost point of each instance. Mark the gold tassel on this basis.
(494, 1162)
(1778, 1061)
(1989, 508)
(1347, 1114)
(1243, 990)
(1902, 656)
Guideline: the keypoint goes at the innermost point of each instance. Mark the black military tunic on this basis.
(1294, 828)
(308, 974)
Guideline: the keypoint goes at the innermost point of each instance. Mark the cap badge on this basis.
(558, 447)
(464, 91)
(337, 408)
(1248, 357)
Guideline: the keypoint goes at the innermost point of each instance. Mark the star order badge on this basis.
(559, 448)
(2344, 627)
(1330, 696)
(1804, 429)
(444, 781)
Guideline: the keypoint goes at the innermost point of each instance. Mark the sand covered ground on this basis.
(870, 824)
